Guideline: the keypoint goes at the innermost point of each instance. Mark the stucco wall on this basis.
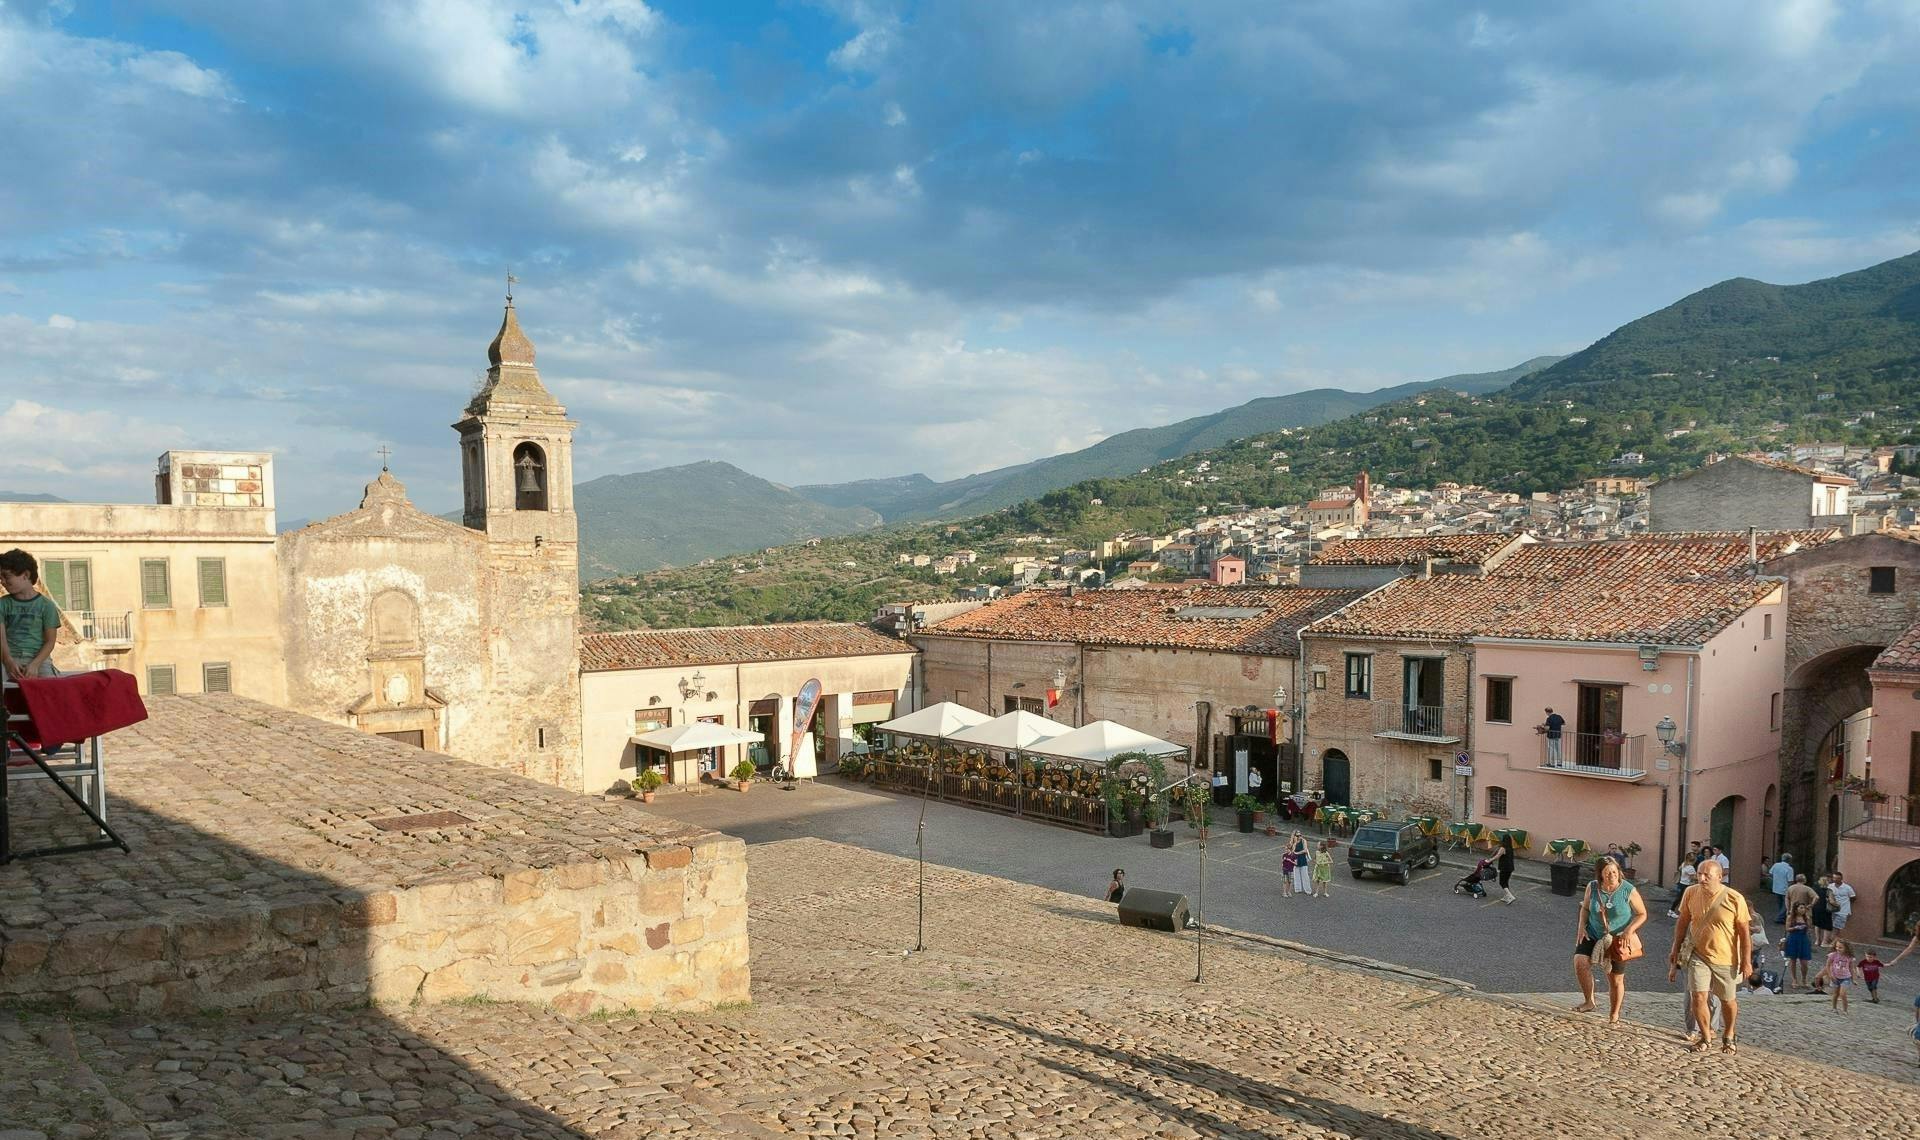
(245, 633)
(609, 699)
(1731, 495)
(533, 648)
(1152, 690)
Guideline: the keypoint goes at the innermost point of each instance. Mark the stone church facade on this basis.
(459, 637)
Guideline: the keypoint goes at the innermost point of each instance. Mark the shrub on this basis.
(744, 771)
(648, 780)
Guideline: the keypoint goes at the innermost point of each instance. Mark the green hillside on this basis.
(916, 496)
(1848, 370)
(680, 515)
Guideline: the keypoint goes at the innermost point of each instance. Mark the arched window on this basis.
(395, 618)
(529, 478)
(1496, 800)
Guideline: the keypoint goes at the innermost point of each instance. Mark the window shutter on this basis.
(216, 677)
(53, 575)
(79, 584)
(156, 588)
(213, 581)
(160, 681)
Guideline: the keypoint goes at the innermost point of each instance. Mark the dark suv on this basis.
(1391, 848)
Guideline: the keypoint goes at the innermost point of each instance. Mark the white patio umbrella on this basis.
(1018, 731)
(696, 737)
(938, 721)
(1102, 741)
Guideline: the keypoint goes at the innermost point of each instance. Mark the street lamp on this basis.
(1666, 730)
(1200, 912)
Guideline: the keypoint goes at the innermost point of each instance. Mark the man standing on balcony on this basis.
(1553, 726)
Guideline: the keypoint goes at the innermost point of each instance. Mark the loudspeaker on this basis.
(1155, 910)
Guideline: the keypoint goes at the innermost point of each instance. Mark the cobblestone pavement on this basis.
(1030, 1014)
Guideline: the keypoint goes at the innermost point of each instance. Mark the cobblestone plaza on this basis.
(1030, 1014)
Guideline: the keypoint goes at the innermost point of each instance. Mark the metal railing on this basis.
(1894, 819)
(1424, 722)
(1013, 797)
(103, 627)
(1609, 752)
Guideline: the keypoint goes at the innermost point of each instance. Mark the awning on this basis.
(938, 721)
(1102, 741)
(1019, 730)
(695, 737)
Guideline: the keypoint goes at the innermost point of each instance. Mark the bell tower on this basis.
(516, 463)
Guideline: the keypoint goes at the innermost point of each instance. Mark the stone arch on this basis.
(1336, 776)
(1724, 830)
(1822, 692)
(1900, 916)
(529, 477)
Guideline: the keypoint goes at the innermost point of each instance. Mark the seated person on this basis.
(31, 620)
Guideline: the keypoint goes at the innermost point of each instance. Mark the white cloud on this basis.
(172, 70)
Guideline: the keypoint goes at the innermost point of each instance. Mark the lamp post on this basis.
(1199, 924)
(1668, 734)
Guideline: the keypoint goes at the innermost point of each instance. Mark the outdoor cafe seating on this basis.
(54, 726)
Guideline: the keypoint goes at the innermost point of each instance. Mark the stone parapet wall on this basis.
(260, 881)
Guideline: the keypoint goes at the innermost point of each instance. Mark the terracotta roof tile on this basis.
(725, 645)
(1471, 549)
(1245, 619)
(1666, 589)
(1816, 473)
(1903, 655)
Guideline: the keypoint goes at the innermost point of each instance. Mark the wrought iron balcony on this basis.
(1423, 724)
(105, 629)
(1602, 755)
(1892, 819)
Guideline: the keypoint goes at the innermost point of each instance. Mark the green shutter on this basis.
(53, 575)
(79, 585)
(216, 677)
(160, 680)
(213, 581)
(156, 588)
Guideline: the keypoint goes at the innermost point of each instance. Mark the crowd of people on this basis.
(1719, 943)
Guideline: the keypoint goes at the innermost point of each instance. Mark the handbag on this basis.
(1626, 947)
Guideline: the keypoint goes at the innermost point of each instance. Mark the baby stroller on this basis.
(1483, 872)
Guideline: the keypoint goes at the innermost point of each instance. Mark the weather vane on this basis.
(386, 452)
(511, 279)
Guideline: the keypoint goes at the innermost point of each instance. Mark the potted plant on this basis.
(647, 783)
(743, 773)
(1243, 808)
(1156, 808)
(1199, 810)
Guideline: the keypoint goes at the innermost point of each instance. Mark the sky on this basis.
(852, 238)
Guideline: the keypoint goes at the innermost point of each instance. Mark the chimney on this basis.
(1753, 548)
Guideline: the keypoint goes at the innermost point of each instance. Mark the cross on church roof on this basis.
(511, 281)
(386, 453)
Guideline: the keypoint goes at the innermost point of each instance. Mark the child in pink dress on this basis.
(1839, 971)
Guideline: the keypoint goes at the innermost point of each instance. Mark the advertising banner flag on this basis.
(803, 707)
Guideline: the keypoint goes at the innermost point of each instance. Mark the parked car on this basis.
(1391, 848)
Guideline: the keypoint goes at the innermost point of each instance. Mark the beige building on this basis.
(1144, 658)
(181, 592)
(744, 677)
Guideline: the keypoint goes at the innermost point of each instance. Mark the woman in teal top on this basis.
(1610, 911)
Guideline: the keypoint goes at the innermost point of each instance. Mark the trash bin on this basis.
(1566, 877)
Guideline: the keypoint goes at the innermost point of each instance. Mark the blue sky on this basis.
(851, 238)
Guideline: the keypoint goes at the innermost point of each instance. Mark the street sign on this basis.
(1462, 764)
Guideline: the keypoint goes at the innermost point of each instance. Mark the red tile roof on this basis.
(1815, 473)
(1903, 655)
(726, 645)
(1330, 505)
(1243, 619)
(1665, 589)
(1471, 549)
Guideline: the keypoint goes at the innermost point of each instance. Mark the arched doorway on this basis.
(1769, 822)
(1722, 829)
(1902, 910)
(1831, 856)
(1827, 699)
(1337, 775)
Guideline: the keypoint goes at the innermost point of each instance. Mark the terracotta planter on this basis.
(744, 785)
(646, 797)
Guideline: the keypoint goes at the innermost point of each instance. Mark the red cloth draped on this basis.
(78, 706)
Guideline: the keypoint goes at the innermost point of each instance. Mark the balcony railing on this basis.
(1895, 819)
(1609, 755)
(104, 628)
(1428, 724)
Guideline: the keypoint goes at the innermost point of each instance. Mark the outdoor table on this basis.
(1568, 848)
(1519, 835)
(1467, 834)
(1429, 825)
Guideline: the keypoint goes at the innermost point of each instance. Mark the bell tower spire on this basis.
(516, 448)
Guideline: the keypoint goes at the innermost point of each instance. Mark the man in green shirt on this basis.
(31, 620)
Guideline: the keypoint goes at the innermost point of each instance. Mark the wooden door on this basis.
(1597, 743)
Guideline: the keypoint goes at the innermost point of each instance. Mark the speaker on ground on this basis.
(1155, 910)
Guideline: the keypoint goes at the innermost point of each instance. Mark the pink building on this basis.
(1709, 678)
(1880, 838)
(1228, 570)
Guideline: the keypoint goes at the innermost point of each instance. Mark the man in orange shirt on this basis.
(1713, 943)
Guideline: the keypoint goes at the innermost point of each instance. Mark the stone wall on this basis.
(1385, 772)
(1732, 495)
(262, 878)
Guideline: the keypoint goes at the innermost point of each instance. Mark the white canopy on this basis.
(941, 721)
(695, 737)
(1102, 741)
(1019, 730)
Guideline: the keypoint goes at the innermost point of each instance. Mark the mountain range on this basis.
(680, 515)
